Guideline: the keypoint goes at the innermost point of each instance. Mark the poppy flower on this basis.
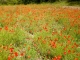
(69, 51)
(6, 27)
(76, 59)
(16, 54)
(22, 54)
(11, 50)
(9, 58)
(0, 29)
(64, 53)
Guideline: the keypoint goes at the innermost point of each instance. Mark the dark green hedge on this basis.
(24, 1)
(31, 1)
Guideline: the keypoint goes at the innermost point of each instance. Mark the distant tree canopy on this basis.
(31, 1)
(73, 0)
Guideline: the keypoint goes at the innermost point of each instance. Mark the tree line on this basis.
(32, 1)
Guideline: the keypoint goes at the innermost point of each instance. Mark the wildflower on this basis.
(53, 44)
(69, 36)
(64, 53)
(64, 28)
(54, 32)
(16, 54)
(45, 28)
(6, 27)
(54, 58)
(56, 39)
(68, 41)
(69, 51)
(57, 58)
(65, 37)
(76, 59)
(35, 45)
(9, 58)
(39, 38)
(11, 50)
(28, 56)
(0, 29)
(76, 45)
(22, 54)
(64, 48)
(44, 41)
(72, 46)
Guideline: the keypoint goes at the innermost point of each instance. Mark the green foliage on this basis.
(3, 56)
(10, 38)
(34, 1)
(10, 1)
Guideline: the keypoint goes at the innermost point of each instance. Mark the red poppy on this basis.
(76, 59)
(22, 54)
(9, 58)
(53, 44)
(0, 29)
(16, 54)
(59, 57)
(64, 53)
(69, 51)
(6, 27)
(54, 58)
(11, 50)
(68, 41)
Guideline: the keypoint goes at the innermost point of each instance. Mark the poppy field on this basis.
(39, 32)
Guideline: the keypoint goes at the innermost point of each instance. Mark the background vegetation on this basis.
(13, 2)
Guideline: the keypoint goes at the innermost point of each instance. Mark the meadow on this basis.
(39, 32)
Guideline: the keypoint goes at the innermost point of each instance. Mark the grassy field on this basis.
(39, 32)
